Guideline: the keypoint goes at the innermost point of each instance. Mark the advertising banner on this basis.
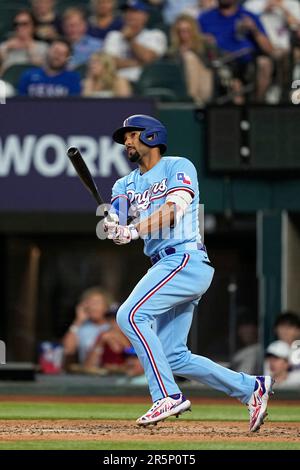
(35, 173)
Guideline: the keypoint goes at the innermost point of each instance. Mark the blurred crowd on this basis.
(94, 344)
(206, 51)
(281, 359)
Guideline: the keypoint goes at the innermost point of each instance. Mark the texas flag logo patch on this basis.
(184, 178)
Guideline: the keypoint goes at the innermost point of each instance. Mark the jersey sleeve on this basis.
(182, 176)
(120, 201)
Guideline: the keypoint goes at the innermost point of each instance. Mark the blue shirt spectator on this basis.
(53, 80)
(230, 31)
(75, 27)
(87, 335)
(90, 321)
(83, 50)
(37, 83)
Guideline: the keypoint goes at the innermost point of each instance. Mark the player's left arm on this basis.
(160, 219)
(182, 183)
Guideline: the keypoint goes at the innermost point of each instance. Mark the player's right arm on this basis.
(120, 201)
(118, 213)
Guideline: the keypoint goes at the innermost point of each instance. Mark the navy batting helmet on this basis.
(153, 132)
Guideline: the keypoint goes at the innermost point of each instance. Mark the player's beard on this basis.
(134, 157)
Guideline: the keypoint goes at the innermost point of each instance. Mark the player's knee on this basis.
(122, 318)
(177, 361)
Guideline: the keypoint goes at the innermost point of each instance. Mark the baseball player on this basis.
(157, 315)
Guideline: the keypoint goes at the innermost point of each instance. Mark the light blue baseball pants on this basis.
(168, 293)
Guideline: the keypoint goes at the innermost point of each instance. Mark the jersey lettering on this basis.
(144, 199)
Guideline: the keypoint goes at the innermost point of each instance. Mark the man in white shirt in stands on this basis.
(135, 45)
(279, 18)
(278, 365)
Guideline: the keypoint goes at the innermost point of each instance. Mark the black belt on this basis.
(170, 251)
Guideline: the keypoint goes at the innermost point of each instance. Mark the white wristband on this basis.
(134, 232)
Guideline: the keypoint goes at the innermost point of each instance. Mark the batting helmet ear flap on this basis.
(150, 137)
(155, 137)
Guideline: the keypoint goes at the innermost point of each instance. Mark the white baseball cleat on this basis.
(258, 403)
(164, 408)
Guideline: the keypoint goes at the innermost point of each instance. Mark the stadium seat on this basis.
(81, 69)
(13, 73)
(163, 79)
(62, 5)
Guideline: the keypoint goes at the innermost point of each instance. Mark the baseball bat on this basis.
(85, 175)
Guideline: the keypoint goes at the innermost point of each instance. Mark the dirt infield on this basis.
(96, 430)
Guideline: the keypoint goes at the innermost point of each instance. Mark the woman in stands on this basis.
(22, 48)
(48, 23)
(102, 80)
(188, 44)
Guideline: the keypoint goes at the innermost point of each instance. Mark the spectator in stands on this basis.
(108, 350)
(22, 48)
(241, 33)
(201, 7)
(54, 80)
(113, 353)
(75, 28)
(188, 44)
(249, 354)
(133, 366)
(89, 323)
(48, 24)
(135, 46)
(281, 20)
(104, 18)
(287, 327)
(278, 366)
(101, 79)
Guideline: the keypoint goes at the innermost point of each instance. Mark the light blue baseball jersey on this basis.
(145, 193)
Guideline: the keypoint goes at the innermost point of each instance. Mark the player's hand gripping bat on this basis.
(85, 176)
